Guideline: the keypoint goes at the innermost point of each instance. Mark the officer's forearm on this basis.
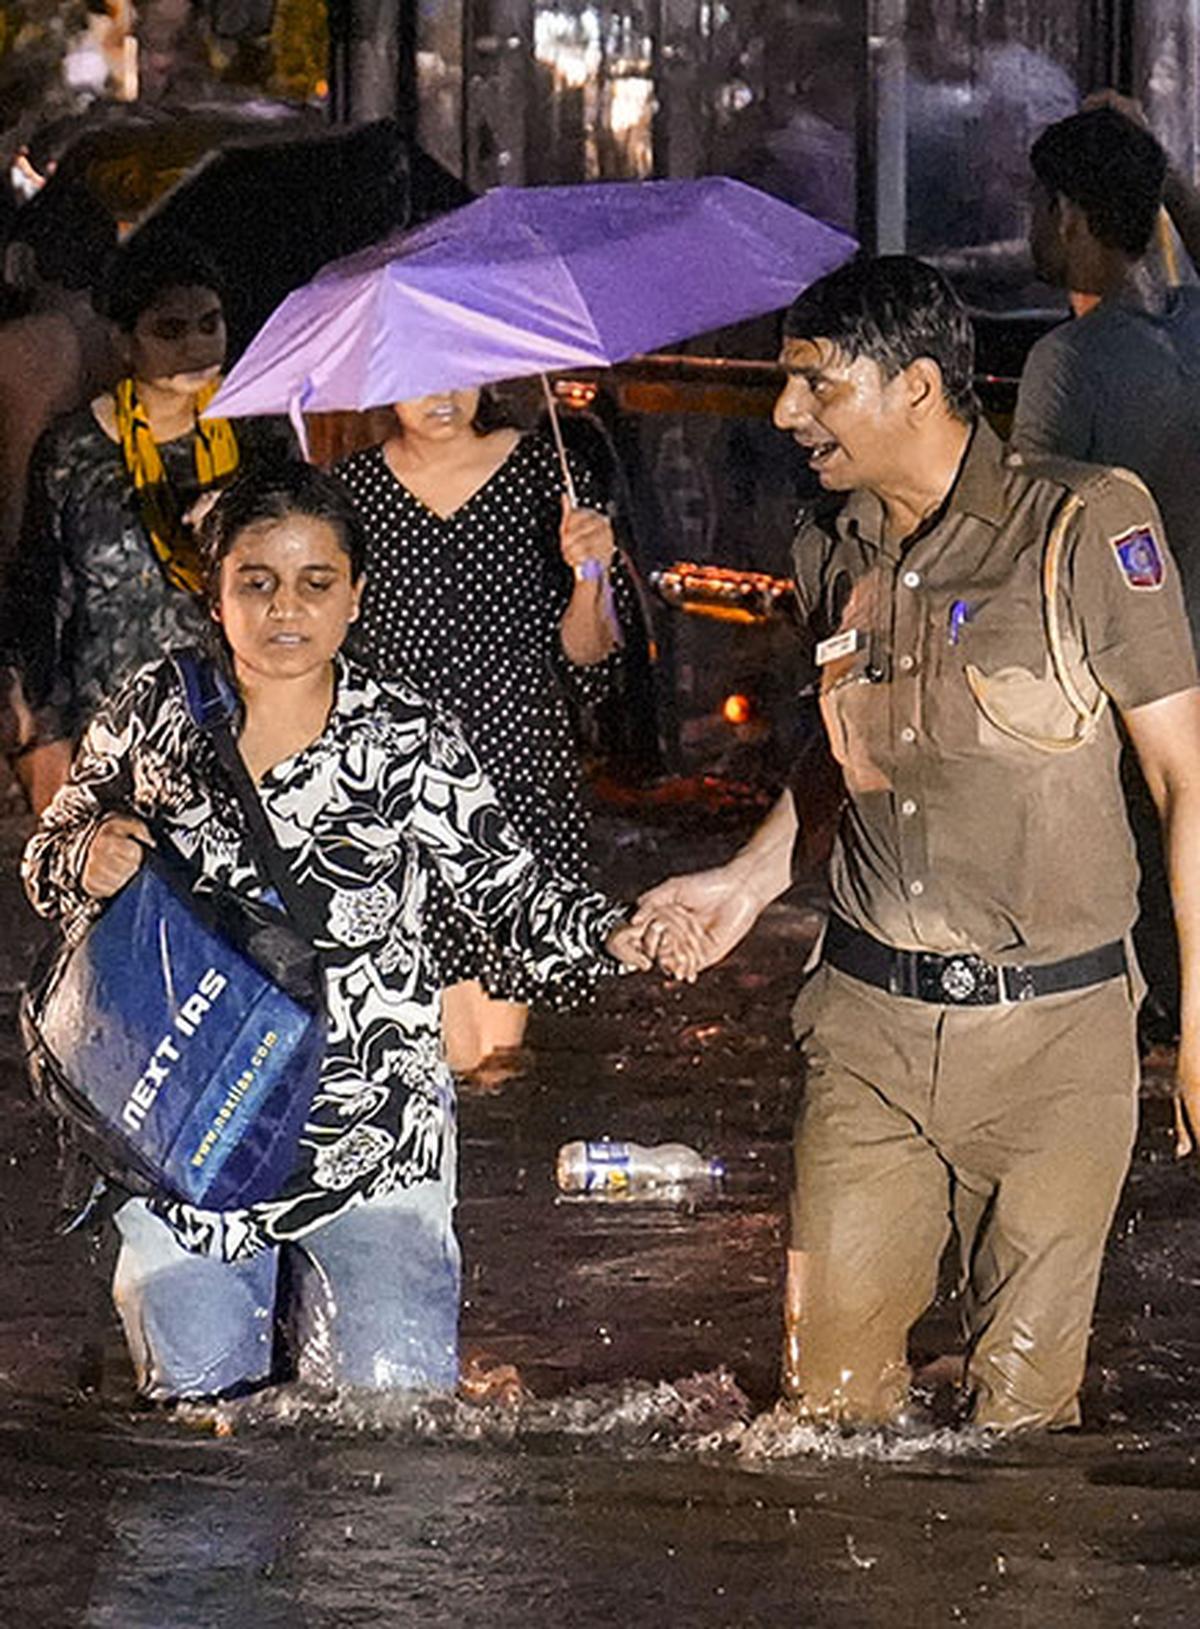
(1166, 736)
(1180, 814)
(764, 866)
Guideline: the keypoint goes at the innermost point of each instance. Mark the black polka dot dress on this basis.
(467, 608)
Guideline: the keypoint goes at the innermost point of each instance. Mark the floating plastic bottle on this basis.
(612, 1167)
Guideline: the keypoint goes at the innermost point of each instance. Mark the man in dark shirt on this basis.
(1120, 384)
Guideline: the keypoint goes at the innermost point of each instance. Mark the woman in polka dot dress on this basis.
(489, 593)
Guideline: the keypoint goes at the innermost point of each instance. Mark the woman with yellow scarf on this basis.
(106, 577)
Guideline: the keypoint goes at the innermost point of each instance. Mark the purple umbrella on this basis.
(528, 280)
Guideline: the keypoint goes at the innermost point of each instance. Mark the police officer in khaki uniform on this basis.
(968, 1033)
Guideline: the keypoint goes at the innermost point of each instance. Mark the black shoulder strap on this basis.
(211, 703)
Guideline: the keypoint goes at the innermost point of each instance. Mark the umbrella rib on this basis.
(541, 248)
(378, 327)
(583, 308)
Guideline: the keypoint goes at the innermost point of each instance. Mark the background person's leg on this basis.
(194, 1327)
(373, 1297)
(474, 1025)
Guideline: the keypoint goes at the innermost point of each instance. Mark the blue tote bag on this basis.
(180, 1040)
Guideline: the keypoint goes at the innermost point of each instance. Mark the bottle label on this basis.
(608, 1153)
(607, 1169)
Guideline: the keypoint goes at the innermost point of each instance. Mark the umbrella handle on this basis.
(590, 570)
(556, 428)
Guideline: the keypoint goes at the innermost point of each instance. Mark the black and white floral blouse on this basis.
(388, 796)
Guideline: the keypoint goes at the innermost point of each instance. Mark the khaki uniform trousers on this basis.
(1011, 1126)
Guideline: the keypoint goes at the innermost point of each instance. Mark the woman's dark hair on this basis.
(142, 270)
(892, 309)
(273, 492)
(1111, 169)
(491, 413)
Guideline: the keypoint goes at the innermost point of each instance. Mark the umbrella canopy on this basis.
(130, 156)
(529, 280)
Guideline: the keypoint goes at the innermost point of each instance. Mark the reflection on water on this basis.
(648, 1477)
(189, 1549)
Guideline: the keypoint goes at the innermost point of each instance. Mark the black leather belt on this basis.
(964, 980)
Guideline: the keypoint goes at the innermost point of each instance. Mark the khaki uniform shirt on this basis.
(984, 814)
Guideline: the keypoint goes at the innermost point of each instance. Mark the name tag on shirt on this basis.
(842, 644)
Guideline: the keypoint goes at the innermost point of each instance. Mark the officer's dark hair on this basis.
(69, 231)
(143, 269)
(1109, 167)
(892, 309)
(273, 491)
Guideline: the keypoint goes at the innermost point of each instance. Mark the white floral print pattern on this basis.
(388, 796)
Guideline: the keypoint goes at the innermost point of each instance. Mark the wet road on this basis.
(645, 1481)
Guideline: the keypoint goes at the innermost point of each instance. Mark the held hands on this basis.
(692, 922)
(687, 923)
(669, 938)
(586, 534)
(114, 854)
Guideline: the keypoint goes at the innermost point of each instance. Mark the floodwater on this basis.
(645, 1479)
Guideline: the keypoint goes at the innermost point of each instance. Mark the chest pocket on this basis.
(1061, 710)
(853, 705)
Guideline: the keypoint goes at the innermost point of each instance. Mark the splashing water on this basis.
(669, 1415)
(705, 1414)
(780, 1434)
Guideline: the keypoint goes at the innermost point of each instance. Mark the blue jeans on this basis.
(370, 1299)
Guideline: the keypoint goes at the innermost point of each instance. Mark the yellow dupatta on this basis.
(217, 457)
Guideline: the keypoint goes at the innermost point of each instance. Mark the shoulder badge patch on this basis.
(1140, 557)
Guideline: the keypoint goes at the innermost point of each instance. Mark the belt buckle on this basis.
(958, 981)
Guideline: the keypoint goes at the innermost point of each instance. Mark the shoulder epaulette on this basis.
(1072, 475)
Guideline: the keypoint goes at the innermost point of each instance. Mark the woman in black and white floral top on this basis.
(369, 792)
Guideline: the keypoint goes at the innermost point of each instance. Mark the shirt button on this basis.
(916, 888)
(908, 733)
(907, 663)
(909, 806)
(911, 579)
